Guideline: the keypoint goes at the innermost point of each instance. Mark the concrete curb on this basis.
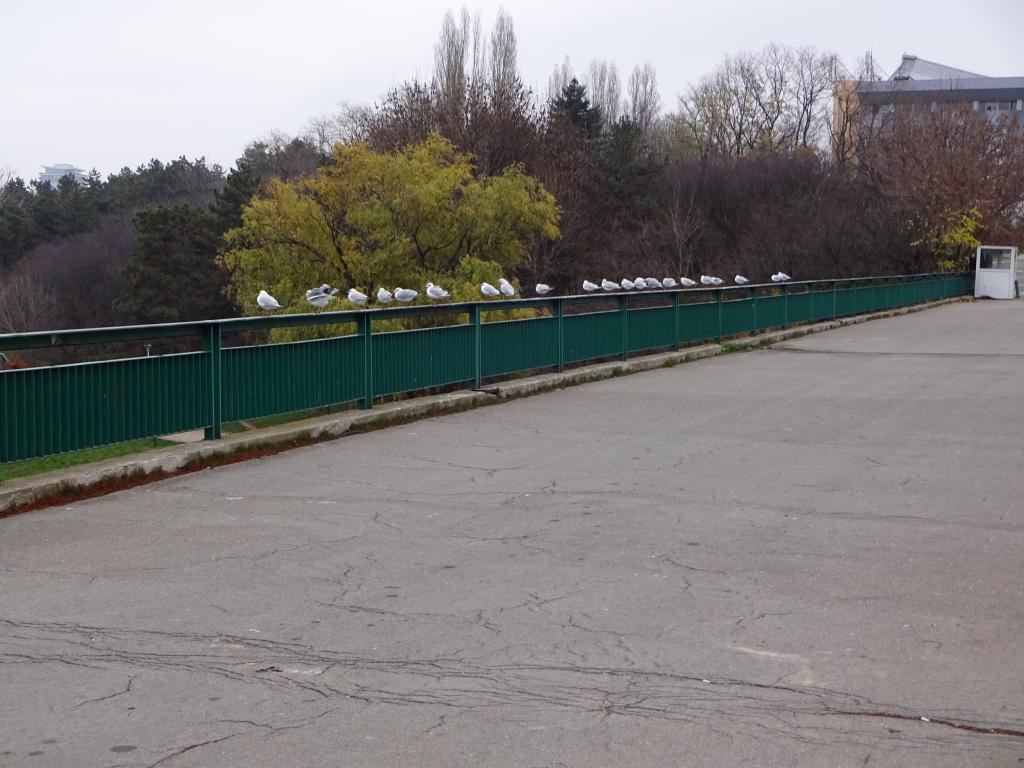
(80, 479)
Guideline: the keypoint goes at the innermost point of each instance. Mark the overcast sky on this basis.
(110, 83)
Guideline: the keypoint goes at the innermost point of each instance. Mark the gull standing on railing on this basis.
(589, 286)
(266, 302)
(653, 282)
(320, 297)
(541, 289)
(628, 284)
(741, 280)
(358, 298)
(506, 288)
(687, 282)
(436, 292)
(669, 282)
(608, 285)
(489, 290)
(405, 295)
(780, 277)
(384, 296)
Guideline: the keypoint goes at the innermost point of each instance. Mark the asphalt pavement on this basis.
(806, 555)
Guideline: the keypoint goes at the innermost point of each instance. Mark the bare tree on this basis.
(451, 55)
(643, 100)
(561, 77)
(504, 65)
(25, 304)
(605, 91)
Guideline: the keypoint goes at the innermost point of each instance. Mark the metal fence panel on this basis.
(70, 407)
(295, 376)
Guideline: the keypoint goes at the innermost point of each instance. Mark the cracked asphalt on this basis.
(808, 555)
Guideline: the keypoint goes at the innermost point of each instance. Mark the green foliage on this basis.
(373, 219)
(574, 105)
(173, 275)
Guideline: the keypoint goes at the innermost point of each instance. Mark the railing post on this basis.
(559, 329)
(211, 344)
(364, 324)
(835, 306)
(474, 320)
(785, 306)
(874, 305)
(753, 298)
(718, 300)
(624, 311)
(675, 321)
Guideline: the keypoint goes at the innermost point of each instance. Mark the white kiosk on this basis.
(996, 277)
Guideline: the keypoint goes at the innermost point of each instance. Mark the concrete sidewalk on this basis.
(806, 555)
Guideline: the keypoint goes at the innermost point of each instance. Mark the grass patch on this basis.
(61, 461)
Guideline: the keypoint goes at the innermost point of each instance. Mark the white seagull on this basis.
(589, 286)
(506, 287)
(357, 298)
(541, 289)
(780, 277)
(687, 282)
(741, 280)
(436, 292)
(717, 281)
(608, 285)
(489, 290)
(669, 282)
(627, 284)
(319, 297)
(653, 282)
(639, 283)
(706, 280)
(405, 295)
(266, 302)
(384, 296)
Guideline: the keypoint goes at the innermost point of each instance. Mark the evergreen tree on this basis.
(173, 274)
(573, 104)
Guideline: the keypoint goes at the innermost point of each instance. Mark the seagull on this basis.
(780, 277)
(716, 281)
(705, 280)
(384, 296)
(589, 286)
(687, 282)
(320, 297)
(627, 284)
(357, 298)
(489, 290)
(669, 282)
(608, 285)
(267, 302)
(506, 287)
(639, 283)
(436, 292)
(653, 282)
(405, 295)
(541, 289)
(741, 280)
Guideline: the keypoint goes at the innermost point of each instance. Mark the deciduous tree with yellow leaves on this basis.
(371, 219)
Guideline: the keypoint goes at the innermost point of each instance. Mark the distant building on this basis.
(54, 173)
(860, 107)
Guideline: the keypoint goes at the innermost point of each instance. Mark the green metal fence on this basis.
(63, 408)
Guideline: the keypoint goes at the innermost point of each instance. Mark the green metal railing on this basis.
(61, 408)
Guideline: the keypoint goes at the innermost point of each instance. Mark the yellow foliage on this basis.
(373, 219)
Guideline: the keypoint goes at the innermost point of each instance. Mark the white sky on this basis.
(110, 83)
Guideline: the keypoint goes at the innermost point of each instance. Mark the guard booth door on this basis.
(996, 276)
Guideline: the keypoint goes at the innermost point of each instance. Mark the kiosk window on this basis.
(995, 258)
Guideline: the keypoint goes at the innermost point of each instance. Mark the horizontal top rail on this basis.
(111, 334)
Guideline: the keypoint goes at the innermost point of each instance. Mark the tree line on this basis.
(466, 174)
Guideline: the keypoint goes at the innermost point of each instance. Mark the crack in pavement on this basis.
(455, 683)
